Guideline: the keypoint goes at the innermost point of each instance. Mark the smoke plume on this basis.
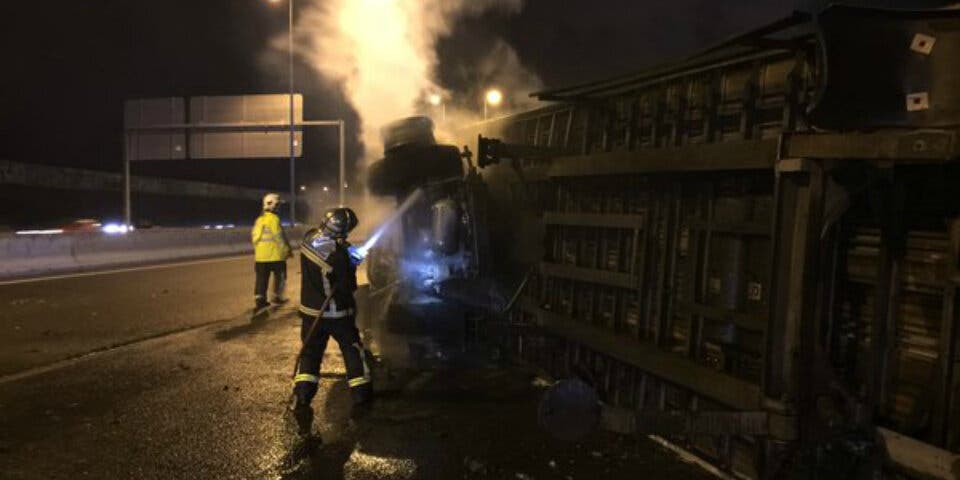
(382, 53)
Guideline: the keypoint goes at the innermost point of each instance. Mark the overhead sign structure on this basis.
(155, 144)
(238, 126)
(212, 127)
(250, 110)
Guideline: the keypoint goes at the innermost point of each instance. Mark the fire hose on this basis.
(310, 333)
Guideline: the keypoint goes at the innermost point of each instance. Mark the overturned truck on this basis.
(753, 253)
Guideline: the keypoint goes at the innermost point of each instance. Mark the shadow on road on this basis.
(255, 325)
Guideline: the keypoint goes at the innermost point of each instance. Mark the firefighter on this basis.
(271, 251)
(329, 269)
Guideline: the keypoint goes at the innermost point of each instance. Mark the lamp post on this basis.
(293, 150)
(493, 97)
(338, 123)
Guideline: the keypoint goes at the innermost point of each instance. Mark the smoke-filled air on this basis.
(382, 54)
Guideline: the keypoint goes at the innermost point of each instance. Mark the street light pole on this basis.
(127, 208)
(343, 165)
(293, 152)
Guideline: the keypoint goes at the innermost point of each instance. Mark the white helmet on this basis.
(271, 201)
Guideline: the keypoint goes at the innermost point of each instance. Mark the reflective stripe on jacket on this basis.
(326, 270)
(269, 240)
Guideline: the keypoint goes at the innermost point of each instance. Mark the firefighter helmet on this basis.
(271, 201)
(338, 222)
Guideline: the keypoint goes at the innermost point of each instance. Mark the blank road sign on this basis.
(269, 108)
(155, 145)
(212, 127)
(244, 144)
(273, 109)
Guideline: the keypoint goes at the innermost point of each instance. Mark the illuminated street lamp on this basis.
(493, 98)
(436, 100)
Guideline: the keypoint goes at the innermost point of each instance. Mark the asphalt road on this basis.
(46, 320)
(209, 401)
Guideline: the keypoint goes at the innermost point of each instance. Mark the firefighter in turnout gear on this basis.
(329, 270)
(271, 251)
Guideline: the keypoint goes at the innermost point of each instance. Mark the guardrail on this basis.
(24, 256)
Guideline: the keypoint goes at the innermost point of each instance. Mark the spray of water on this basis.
(385, 226)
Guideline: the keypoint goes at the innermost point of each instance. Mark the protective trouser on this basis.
(344, 331)
(263, 270)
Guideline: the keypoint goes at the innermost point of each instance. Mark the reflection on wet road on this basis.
(210, 402)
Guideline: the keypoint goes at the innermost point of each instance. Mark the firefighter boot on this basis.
(303, 414)
(362, 397)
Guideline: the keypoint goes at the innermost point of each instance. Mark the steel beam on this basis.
(946, 415)
(592, 275)
(918, 457)
(670, 367)
(899, 145)
(607, 220)
(798, 200)
(740, 155)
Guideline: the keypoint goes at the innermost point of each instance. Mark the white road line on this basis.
(128, 269)
(130, 344)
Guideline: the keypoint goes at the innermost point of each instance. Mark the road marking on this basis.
(127, 269)
(242, 319)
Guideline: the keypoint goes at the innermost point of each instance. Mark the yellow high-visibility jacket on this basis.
(269, 241)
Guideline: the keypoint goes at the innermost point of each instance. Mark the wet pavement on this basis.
(210, 402)
(47, 320)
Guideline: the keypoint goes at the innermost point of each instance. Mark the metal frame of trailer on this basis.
(707, 250)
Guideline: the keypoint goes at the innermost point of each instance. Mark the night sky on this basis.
(71, 64)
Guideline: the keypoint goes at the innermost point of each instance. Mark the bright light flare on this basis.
(52, 231)
(494, 97)
(116, 228)
(434, 99)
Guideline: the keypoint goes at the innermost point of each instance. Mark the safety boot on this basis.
(362, 397)
(260, 307)
(303, 414)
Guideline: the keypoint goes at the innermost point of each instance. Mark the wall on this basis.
(31, 255)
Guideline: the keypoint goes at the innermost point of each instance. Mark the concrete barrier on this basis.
(24, 256)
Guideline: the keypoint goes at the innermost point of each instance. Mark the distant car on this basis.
(82, 225)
